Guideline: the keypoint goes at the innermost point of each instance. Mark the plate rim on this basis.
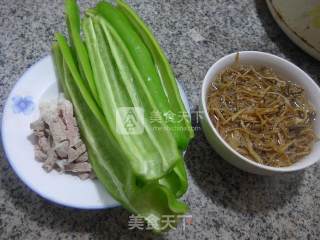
(297, 39)
(6, 109)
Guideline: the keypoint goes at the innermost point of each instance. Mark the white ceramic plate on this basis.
(300, 20)
(40, 82)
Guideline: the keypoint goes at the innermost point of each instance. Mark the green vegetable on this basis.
(150, 201)
(117, 87)
(58, 65)
(144, 171)
(68, 57)
(142, 58)
(177, 179)
(164, 70)
(73, 23)
(158, 87)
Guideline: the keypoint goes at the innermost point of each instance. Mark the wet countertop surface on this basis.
(225, 203)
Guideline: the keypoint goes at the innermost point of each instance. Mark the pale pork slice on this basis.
(58, 144)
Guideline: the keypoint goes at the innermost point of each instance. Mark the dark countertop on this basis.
(225, 202)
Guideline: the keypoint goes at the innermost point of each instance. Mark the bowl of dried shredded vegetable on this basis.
(261, 113)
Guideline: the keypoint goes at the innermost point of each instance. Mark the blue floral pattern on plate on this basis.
(23, 105)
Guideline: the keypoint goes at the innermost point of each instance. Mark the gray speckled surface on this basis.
(225, 203)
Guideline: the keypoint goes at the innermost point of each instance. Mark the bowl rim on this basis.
(208, 78)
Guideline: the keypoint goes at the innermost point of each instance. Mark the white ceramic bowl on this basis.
(288, 71)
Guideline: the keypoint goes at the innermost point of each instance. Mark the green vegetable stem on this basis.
(116, 75)
(152, 64)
